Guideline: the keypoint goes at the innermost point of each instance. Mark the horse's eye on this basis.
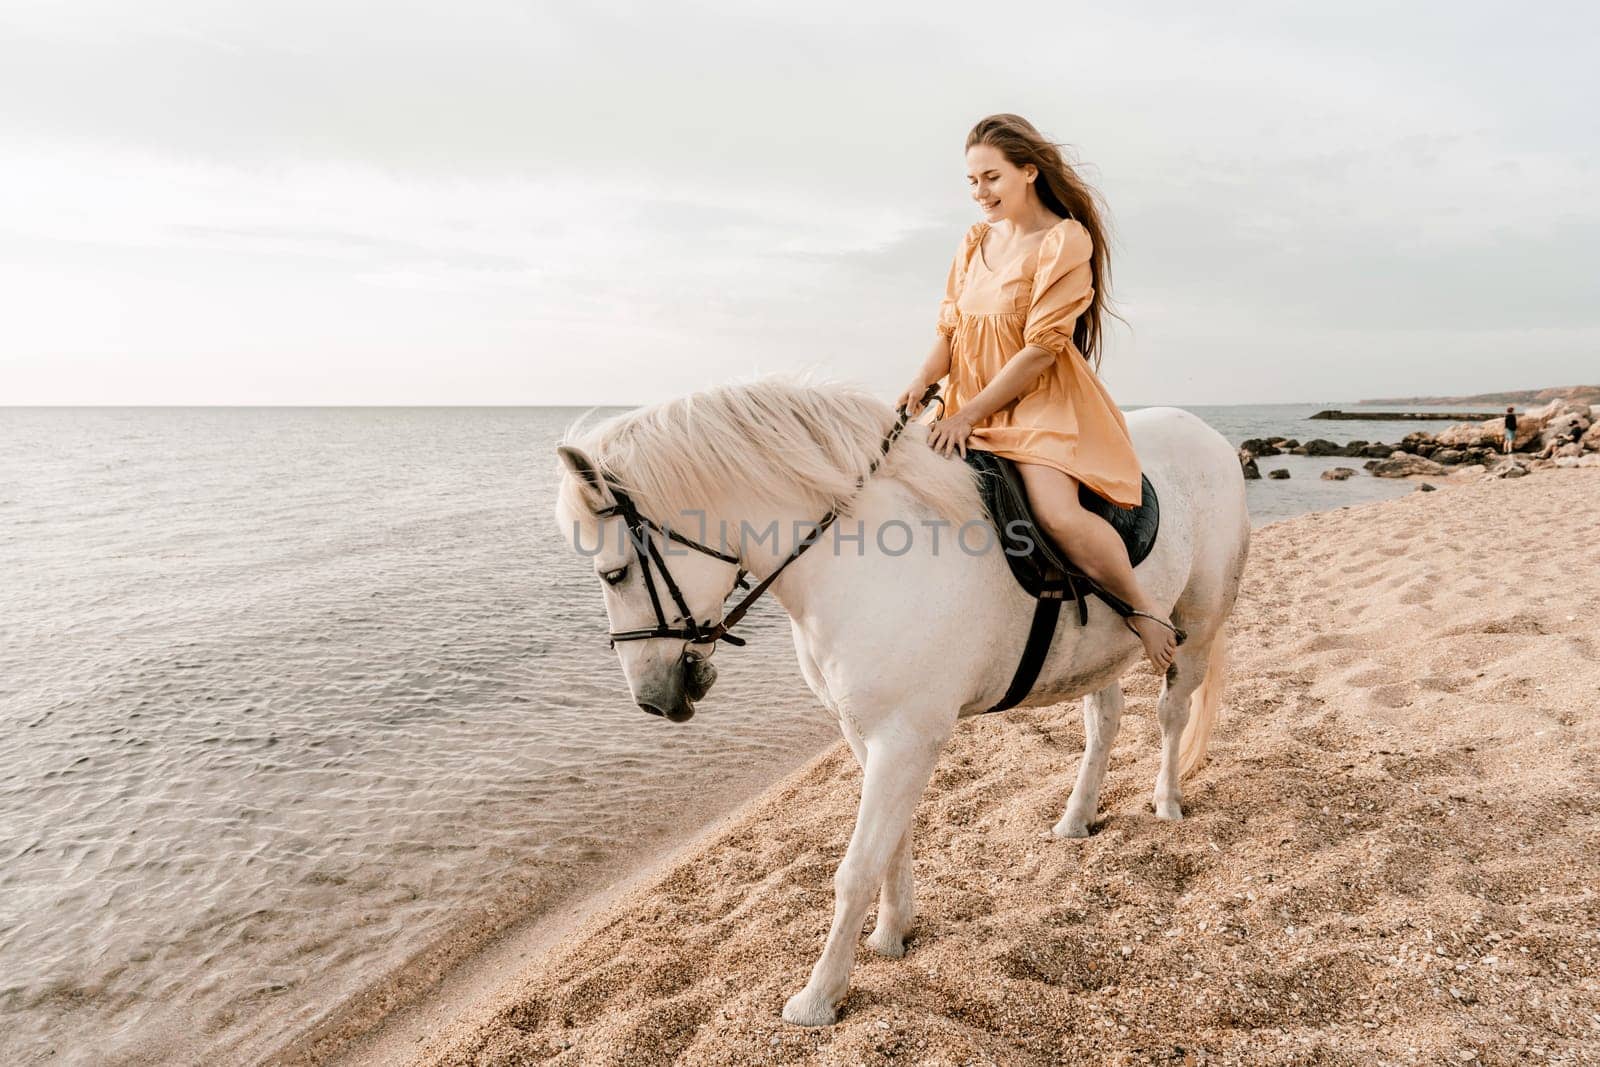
(616, 576)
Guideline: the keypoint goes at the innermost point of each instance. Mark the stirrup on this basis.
(1177, 632)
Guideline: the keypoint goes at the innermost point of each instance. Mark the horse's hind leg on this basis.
(1102, 715)
(896, 899)
(1188, 670)
(896, 904)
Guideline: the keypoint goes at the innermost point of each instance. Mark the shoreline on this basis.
(378, 1021)
(646, 909)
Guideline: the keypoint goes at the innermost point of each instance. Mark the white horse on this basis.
(902, 630)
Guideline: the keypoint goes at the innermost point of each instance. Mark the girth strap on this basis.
(1045, 612)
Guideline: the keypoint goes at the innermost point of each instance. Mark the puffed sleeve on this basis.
(1063, 287)
(949, 319)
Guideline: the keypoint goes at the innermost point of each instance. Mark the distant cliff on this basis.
(1583, 394)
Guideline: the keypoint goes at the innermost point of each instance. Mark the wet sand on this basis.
(1390, 856)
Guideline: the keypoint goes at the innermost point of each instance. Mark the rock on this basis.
(1337, 474)
(1286, 442)
(1591, 440)
(1319, 447)
(1402, 465)
(1427, 488)
(1279, 474)
(1562, 406)
(1260, 446)
(1592, 459)
(1567, 461)
(1247, 462)
(1475, 468)
(1369, 464)
(1418, 443)
(1378, 450)
(1509, 467)
(1573, 449)
(1542, 465)
(1300, 450)
(1448, 455)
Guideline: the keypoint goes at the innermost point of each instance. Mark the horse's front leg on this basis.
(897, 772)
(1102, 715)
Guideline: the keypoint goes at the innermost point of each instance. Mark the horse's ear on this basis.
(590, 484)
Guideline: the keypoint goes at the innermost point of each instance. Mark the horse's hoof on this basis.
(1067, 830)
(1170, 810)
(805, 1008)
(884, 945)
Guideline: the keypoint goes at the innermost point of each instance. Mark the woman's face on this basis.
(1001, 189)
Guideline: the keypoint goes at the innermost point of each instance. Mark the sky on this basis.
(486, 202)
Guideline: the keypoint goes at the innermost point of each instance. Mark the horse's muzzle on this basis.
(690, 679)
(683, 711)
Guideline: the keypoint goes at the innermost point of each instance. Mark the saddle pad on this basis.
(1005, 498)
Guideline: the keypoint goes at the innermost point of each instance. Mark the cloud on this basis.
(612, 202)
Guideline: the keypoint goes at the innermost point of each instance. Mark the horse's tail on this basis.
(1204, 706)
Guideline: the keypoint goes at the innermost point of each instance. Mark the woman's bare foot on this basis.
(1160, 644)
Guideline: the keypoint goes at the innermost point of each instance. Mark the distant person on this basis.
(1511, 429)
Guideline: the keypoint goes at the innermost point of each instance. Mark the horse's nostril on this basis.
(652, 709)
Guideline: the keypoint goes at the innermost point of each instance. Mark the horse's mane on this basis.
(772, 440)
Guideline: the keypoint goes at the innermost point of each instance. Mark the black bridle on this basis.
(693, 631)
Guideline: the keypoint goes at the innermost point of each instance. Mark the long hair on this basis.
(1068, 195)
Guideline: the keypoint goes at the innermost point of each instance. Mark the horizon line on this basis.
(605, 404)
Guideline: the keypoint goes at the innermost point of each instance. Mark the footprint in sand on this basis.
(1420, 592)
(1519, 623)
(1444, 683)
(1330, 642)
(1389, 696)
(1372, 676)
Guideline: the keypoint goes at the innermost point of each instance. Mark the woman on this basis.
(1020, 319)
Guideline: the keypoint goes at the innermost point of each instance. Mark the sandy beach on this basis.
(1390, 856)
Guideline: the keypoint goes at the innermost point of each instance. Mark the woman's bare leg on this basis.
(1091, 544)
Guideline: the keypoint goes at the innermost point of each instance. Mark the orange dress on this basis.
(1066, 419)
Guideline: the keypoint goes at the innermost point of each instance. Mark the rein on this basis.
(708, 632)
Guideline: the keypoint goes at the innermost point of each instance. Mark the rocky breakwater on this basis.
(1561, 433)
(1257, 447)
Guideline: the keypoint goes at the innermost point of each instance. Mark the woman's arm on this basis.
(936, 366)
(1015, 378)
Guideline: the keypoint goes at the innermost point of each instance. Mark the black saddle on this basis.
(1040, 567)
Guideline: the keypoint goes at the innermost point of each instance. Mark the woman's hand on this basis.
(950, 434)
(911, 399)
